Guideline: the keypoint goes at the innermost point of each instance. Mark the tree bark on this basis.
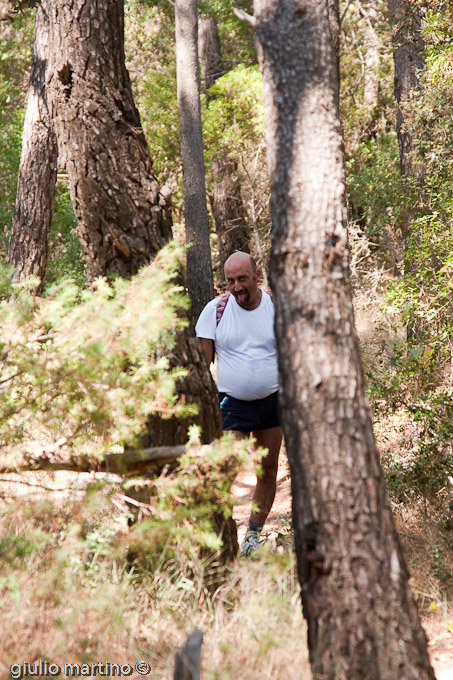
(210, 54)
(409, 60)
(122, 218)
(225, 197)
(362, 619)
(227, 207)
(28, 245)
(199, 267)
(372, 47)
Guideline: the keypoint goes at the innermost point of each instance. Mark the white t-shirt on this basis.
(245, 345)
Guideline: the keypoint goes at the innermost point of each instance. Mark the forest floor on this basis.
(78, 608)
(438, 623)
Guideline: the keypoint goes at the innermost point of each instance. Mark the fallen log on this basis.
(126, 463)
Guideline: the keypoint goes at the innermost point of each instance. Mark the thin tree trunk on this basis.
(362, 619)
(409, 60)
(372, 47)
(199, 268)
(122, 218)
(228, 209)
(28, 244)
(210, 54)
(225, 197)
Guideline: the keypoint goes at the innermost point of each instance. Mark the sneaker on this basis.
(250, 543)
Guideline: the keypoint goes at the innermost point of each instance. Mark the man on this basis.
(240, 329)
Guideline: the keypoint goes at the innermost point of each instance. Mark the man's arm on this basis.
(208, 349)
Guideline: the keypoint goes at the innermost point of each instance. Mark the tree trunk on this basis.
(199, 267)
(409, 60)
(228, 210)
(122, 218)
(226, 200)
(372, 47)
(362, 619)
(28, 244)
(210, 54)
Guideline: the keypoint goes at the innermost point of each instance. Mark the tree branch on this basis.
(127, 463)
(34, 485)
(243, 16)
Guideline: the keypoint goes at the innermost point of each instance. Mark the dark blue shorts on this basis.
(248, 416)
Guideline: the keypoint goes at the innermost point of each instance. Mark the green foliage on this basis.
(151, 62)
(374, 189)
(65, 255)
(80, 366)
(438, 21)
(15, 48)
(407, 382)
(234, 127)
(234, 120)
(236, 35)
(150, 56)
(186, 512)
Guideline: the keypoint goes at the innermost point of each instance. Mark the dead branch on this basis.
(35, 486)
(127, 463)
(244, 16)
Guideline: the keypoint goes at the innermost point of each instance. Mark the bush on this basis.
(87, 367)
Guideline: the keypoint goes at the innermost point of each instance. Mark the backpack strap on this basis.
(220, 307)
(222, 303)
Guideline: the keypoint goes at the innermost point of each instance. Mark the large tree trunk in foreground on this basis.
(28, 244)
(225, 197)
(362, 619)
(199, 268)
(409, 60)
(122, 216)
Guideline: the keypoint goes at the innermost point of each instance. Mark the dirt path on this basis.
(279, 523)
(279, 520)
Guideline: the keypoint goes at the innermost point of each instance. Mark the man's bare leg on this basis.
(266, 484)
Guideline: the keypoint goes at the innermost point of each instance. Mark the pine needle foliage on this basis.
(87, 367)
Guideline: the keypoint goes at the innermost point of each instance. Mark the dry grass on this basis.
(71, 594)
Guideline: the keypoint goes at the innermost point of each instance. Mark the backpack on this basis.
(222, 303)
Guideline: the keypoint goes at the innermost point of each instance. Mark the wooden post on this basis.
(188, 659)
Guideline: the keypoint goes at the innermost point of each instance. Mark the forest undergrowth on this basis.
(92, 577)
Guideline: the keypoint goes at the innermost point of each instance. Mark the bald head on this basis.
(240, 259)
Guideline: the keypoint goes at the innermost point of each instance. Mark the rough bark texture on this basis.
(210, 54)
(122, 216)
(28, 244)
(228, 209)
(372, 57)
(199, 268)
(362, 619)
(408, 57)
(225, 197)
